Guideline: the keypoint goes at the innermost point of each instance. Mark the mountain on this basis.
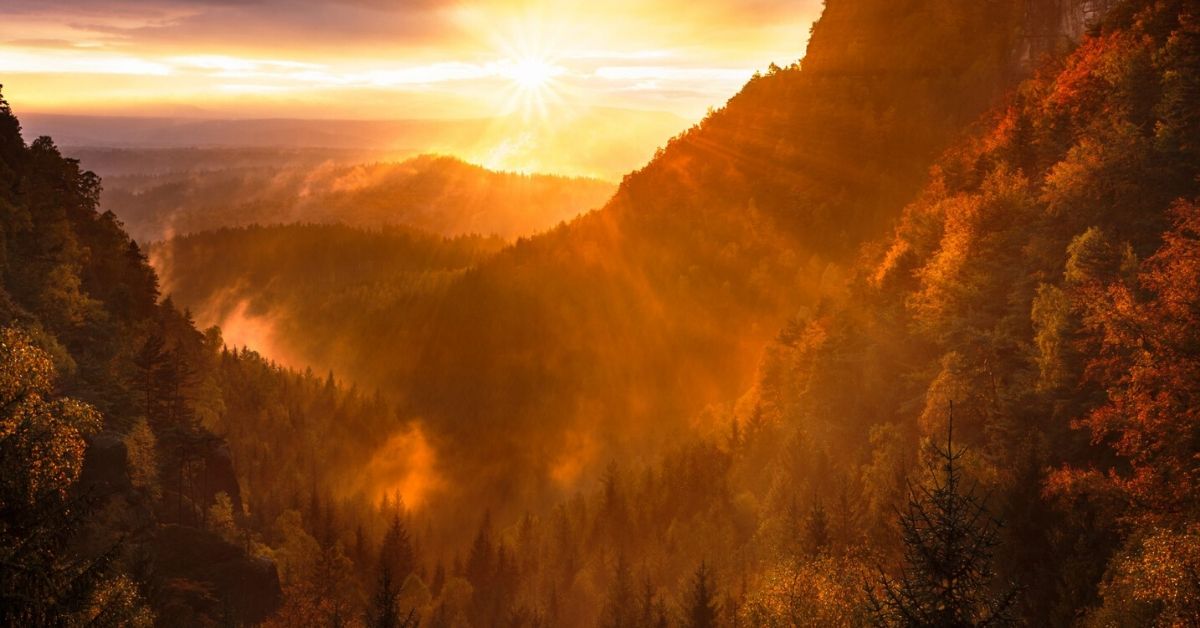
(292, 291)
(606, 337)
(701, 404)
(599, 142)
(1043, 283)
(111, 163)
(440, 194)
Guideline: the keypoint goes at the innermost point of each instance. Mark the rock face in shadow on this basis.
(220, 476)
(196, 577)
(104, 466)
(204, 578)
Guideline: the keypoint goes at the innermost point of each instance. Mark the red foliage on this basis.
(1150, 364)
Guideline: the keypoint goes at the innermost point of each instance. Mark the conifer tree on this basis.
(397, 549)
(700, 605)
(949, 537)
(384, 611)
(619, 609)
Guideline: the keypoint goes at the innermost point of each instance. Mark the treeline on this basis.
(438, 194)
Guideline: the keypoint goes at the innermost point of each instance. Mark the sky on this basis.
(378, 59)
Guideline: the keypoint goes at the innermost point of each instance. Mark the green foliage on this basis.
(43, 580)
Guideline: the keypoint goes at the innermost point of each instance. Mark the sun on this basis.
(532, 74)
(534, 85)
(532, 60)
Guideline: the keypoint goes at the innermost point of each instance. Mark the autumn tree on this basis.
(1150, 362)
(43, 582)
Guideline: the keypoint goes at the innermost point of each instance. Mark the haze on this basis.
(527, 65)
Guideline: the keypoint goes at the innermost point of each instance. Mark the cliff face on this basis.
(1052, 27)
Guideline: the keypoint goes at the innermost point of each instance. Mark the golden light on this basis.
(532, 74)
(533, 84)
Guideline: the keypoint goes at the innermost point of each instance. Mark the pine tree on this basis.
(619, 609)
(384, 611)
(480, 571)
(948, 542)
(397, 549)
(816, 530)
(700, 605)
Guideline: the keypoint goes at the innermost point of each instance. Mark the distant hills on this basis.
(598, 141)
(442, 195)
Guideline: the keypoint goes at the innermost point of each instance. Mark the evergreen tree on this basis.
(384, 611)
(652, 613)
(700, 605)
(816, 530)
(948, 542)
(397, 549)
(619, 609)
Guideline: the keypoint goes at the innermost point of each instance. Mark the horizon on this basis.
(538, 73)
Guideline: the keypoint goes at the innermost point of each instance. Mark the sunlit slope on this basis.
(617, 330)
(614, 332)
(439, 194)
(1044, 282)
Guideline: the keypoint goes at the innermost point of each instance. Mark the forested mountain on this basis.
(295, 291)
(755, 388)
(438, 194)
(607, 336)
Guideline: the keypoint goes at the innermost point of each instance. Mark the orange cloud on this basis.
(317, 58)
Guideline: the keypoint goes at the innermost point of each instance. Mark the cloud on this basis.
(304, 56)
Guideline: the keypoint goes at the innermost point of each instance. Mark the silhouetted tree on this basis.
(384, 611)
(948, 542)
(700, 606)
(619, 608)
(397, 550)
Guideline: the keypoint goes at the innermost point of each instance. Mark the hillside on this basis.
(1043, 282)
(294, 291)
(909, 275)
(439, 194)
(606, 336)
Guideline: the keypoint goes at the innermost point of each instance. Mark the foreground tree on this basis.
(947, 578)
(43, 582)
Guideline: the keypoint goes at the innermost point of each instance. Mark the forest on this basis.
(907, 333)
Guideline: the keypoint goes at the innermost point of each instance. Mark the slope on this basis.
(608, 335)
